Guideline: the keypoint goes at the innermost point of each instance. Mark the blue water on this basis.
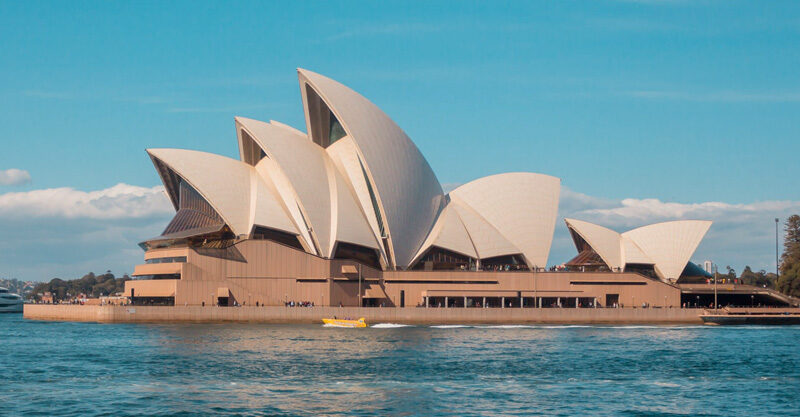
(239, 369)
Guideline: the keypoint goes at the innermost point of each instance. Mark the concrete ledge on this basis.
(411, 315)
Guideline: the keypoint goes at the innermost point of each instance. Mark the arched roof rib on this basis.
(231, 187)
(406, 188)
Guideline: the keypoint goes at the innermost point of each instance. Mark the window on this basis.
(265, 233)
(251, 151)
(167, 260)
(158, 276)
(194, 212)
(336, 130)
(325, 127)
(362, 254)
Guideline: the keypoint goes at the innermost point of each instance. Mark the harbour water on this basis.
(53, 368)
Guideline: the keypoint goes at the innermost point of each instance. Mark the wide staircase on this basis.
(792, 301)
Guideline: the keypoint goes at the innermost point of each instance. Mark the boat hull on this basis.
(345, 323)
(11, 308)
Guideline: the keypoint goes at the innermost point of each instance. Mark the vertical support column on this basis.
(502, 302)
(446, 302)
(465, 302)
(576, 302)
(484, 302)
(427, 301)
(521, 301)
(558, 302)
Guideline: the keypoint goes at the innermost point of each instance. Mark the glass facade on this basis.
(194, 212)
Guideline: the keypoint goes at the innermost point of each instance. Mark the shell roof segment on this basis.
(521, 206)
(232, 187)
(667, 246)
(407, 191)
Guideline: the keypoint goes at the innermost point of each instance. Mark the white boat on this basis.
(10, 303)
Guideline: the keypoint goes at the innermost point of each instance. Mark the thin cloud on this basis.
(119, 201)
(14, 176)
(386, 29)
(222, 109)
(717, 96)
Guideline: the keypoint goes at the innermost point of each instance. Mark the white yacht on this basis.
(10, 303)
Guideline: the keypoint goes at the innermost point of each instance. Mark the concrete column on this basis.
(502, 302)
(558, 301)
(427, 301)
(576, 302)
(465, 302)
(521, 301)
(446, 302)
(484, 302)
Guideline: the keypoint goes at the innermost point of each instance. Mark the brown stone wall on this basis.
(269, 273)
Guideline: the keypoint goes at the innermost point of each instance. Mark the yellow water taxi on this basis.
(334, 322)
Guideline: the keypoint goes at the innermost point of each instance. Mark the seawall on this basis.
(410, 315)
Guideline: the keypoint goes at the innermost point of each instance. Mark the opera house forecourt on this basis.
(351, 214)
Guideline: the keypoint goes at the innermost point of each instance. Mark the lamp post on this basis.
(777, 265)
(715, 289)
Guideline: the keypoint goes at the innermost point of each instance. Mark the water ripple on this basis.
(78, 369)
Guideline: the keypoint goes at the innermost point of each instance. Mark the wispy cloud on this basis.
(716, 96)
(358, 31)
(117, 202)
(56, 95)
(64, 232)
(14, 176)
(222, 109)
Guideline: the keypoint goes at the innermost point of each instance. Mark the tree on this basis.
(758, 279)
(789, 280)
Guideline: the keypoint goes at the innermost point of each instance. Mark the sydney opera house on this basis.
(350, 213)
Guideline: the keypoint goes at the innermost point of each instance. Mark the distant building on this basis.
(708, 266)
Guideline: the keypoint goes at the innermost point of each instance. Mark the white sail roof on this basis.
(521, 206)
(670, 244)
(604, 241)
(303, 163)
(667, 246)
(406, 189)
(233, 188)
(449, 233)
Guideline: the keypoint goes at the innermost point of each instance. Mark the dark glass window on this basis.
(167, 260)
(325, 127)
(194, 212)
(438, 259)
(336, 130)
(265, 233)
(363, 254)
(251, 151)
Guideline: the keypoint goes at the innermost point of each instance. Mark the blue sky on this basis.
(686, 103)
